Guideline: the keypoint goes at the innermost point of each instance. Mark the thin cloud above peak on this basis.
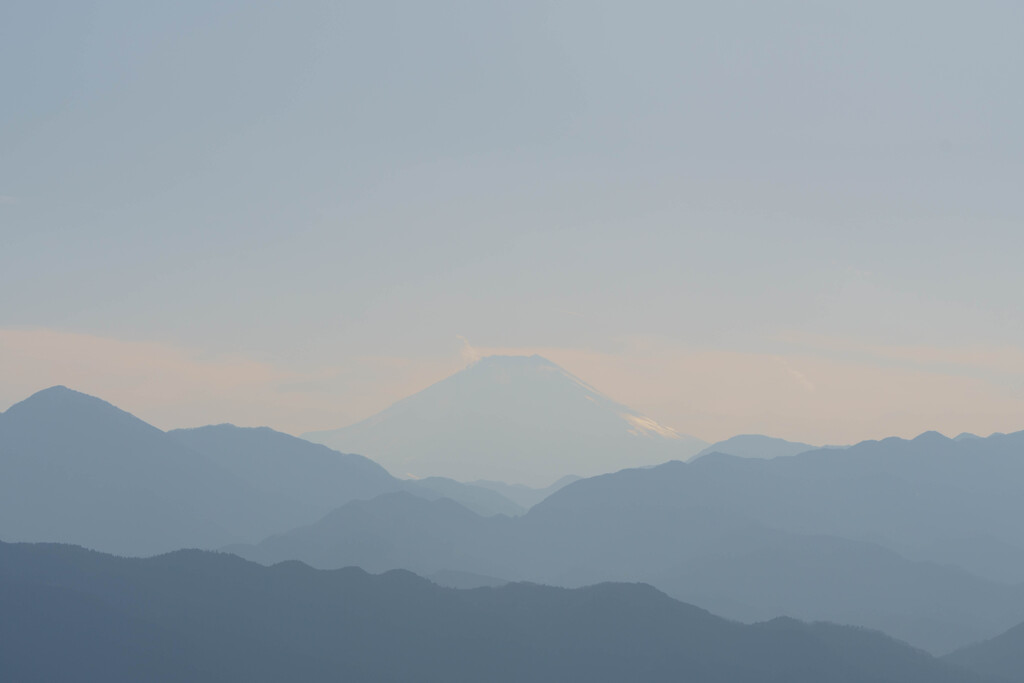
(469, 354)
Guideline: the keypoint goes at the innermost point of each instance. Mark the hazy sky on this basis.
(798, 218)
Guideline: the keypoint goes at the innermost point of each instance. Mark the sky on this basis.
(803, 219)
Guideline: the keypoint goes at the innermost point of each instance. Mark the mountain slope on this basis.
(515, 419)
(393, 531)
(932, 606)
(317, 479)
(926, 498)
(720, 562)
(308, 476)
(1001, 657)
(74, 468)
(482, 500)
(838, 535)
(73, 615)
(524, 495)
(756, 446)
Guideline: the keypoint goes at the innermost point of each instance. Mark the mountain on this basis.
(456, 579)
(995, 559)
(74, 615)
(839, 535)
(963, 436)
(74, 468)
(515, 419)
(928, 498)
(721, 562)
(483, 500)
(317, 479)
(525, 496)
(309, 476)
(936, 607)
(1001, 657)
(756, 446)
(394, 531)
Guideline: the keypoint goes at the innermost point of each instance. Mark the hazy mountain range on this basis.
(74, 468)
(756, 446)
(865, 535)
(523, 495)
(315, 477)
(515, 419)
(1002, 657)
(71, 614)
(919, 538)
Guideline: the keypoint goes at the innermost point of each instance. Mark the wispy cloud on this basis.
(796, 374)
(8, 199)
(468, 353)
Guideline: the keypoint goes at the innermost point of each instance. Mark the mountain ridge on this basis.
(756, 446)
(71, 614)
(1001, 656)
(75, 468)
(701, 529)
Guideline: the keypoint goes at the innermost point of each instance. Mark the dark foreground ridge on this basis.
(71, 614)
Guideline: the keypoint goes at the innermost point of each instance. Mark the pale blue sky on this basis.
(308, 185)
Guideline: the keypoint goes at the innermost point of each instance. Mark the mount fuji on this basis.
(517, 419)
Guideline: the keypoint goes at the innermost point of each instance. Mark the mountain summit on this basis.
(519, 419)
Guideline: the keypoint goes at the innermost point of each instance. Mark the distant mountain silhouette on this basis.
(1001, 657)
(963, 436)
(514, 419)
(523, 495)
(918, 537)
(925, 497)
(928, 499)
(483, 500)
(454, 579)
(394, 531)
(280, 466)
(834, 535)
(319, 479)
(756, 446)
(995, 559)
(74, 468)
(722, 563)
(74, 615)
(810, 577)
